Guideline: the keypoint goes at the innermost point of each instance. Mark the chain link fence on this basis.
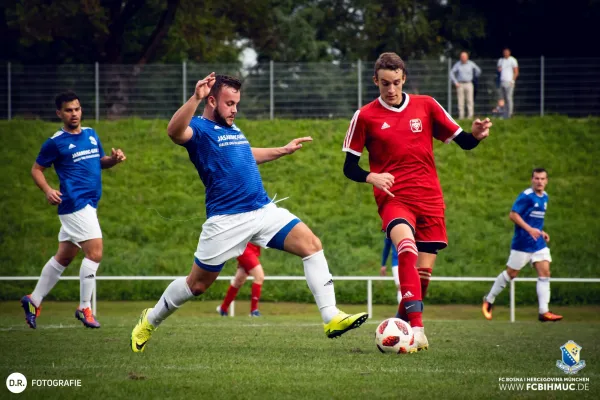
(290, 90)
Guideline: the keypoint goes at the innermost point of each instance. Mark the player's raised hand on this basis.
(296, 144)
(535, 233)
(546, 236)
(118, 155)
(382, 181)
(204, 85)
(53, 197)
(481, 129)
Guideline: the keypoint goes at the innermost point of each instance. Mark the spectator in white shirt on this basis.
(509, 71)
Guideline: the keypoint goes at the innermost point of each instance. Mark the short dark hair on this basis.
(224, 80)
(538, 171)
(391, 61)
(65, 97)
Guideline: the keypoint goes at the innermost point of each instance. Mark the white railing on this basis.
(368, 279)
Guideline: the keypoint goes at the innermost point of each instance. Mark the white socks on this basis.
(50, 275)
(320, 283)
(87, 282)
(174, 297)
(543, 292)
(501, 281)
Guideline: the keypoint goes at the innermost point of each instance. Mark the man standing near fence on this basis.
(78, 158)
(462, 74)
(508, 67)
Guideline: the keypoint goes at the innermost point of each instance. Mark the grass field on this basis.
(152, 207)
(285, 355)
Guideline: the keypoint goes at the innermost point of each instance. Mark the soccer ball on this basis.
(394, 336)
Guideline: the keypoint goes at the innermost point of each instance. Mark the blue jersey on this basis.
(532, 208)
(76, 159)
(387, 246)
(226, 166)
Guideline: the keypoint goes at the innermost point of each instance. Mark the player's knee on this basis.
(259, 278)
(312, 245)
(64, 261)
(197, 288)
(95, 255)
(239, 281)
(512, 273)
(544, 273)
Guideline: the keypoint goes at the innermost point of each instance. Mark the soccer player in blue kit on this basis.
(78, 158)
(528, 246)
(238, 209)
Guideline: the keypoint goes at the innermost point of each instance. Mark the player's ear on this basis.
(375, 80)
(58, 113)
(212, 101)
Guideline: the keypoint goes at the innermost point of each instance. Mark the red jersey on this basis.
(400, 142)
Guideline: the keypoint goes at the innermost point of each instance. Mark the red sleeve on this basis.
(356, 136)
(445, 128)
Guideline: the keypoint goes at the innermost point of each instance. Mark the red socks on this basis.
(410, 285)
(255, 296)
(229, 297)
(424, 274)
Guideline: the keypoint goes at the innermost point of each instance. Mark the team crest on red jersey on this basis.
(415, 125)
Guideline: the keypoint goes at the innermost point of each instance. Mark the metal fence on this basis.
(368, 279)
(290, 90)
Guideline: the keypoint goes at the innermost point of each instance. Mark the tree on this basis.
(115, 32)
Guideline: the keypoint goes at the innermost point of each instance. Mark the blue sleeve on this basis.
(48, 154)
(394, 256)
(521, 204)
(100, 149)
(387, 245)
(196, 126)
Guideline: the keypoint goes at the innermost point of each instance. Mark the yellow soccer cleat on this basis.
(420, 341)
(141, 333)
(343, 322)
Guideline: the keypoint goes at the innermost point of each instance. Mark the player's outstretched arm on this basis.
(481, 130)
(116, 157)
(263, 155)
(52, 195)
(178, 129)
(518, 220)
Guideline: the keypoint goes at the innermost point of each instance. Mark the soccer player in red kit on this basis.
(248, 264)
(398, 131)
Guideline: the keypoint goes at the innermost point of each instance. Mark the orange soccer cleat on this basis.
(486, 309)
(549, 316)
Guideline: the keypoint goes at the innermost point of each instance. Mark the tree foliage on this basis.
(139, 31)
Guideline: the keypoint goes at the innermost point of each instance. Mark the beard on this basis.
(219, 118)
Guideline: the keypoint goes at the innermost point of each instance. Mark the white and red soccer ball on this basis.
(394, 336)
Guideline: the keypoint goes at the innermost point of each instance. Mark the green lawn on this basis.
(285, 355)
(153, 207)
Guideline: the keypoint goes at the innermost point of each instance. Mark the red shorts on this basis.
(249, 259)
(427, 229)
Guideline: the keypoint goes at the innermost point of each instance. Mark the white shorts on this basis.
(395, 275)
(80, 226)
(225, 237)
(518, 259)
